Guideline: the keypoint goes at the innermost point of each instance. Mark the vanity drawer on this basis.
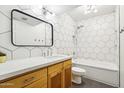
(24, 80)
(55, 68)
(38, 84)
(67, 62)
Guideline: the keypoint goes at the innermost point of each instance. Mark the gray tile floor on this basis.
(87, 83)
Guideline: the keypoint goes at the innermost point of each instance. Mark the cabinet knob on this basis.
(29, 79)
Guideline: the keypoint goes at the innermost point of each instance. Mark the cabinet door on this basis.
(67, 76)
(55, 80)
(55, 76)
(67, 73)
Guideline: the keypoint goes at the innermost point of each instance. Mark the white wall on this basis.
(64, 27)
(97, 40)
(122, 47)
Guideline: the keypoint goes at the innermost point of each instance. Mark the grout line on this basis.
(15, 49)
(5, 48)
(5, 15)
(5, 32)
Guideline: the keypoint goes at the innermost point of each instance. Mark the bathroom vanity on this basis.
(38, 72)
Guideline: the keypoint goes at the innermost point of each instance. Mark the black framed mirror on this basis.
(28, 30)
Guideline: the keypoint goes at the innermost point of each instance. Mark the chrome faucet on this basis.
(49, 52)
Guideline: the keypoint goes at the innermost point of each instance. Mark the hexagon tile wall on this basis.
(97, 39)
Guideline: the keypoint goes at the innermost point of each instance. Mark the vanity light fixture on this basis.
(47, 13)
(37, 9)
(90, 9)
(42, 10)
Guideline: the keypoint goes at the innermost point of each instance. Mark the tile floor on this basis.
(87, 83)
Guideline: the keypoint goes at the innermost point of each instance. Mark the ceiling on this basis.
(60, 9)
(77, 11)
(57, 9)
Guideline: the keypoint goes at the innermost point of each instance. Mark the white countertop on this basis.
(16, 67)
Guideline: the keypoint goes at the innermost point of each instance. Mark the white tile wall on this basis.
(4, 20)
(97, 39)
(64, 28)
(21, 53)
(5, 41)
(36, 52)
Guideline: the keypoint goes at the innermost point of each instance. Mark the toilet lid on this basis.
(76, 69)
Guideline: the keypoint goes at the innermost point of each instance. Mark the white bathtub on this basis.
(104, 72)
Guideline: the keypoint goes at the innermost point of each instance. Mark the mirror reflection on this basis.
(30, 31)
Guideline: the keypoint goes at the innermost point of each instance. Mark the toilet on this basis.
(77, 74)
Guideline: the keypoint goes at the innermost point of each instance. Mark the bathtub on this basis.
(105, 72)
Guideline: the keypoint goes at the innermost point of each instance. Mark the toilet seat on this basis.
(78, 71)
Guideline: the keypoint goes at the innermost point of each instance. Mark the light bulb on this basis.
(90, 8)
(95, 11)
(86, 12)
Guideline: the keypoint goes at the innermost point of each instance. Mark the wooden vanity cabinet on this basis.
(41, 83)
(67, 71)
(54, 76)
(36, 78)
(60, 75)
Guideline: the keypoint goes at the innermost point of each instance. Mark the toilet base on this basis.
(77, 79)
